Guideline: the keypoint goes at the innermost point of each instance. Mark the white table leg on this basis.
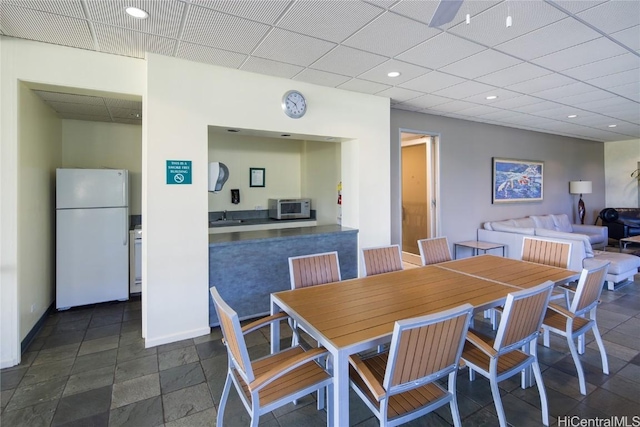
(340, 389)
(275, 330)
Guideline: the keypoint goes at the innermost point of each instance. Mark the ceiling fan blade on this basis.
(445, 12)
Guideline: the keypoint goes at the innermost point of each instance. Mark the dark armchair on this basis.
(621, 222)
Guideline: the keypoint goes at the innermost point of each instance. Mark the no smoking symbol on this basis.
(178, 178)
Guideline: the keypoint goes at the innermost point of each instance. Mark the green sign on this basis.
(178, 171)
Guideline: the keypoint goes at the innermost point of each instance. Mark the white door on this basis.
(92, 256)
(91, 188)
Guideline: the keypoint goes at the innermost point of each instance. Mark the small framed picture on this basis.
(256, 177)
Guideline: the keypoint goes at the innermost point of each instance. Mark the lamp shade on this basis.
(580, 187)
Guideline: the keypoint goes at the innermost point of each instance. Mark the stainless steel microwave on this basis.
(289, 208)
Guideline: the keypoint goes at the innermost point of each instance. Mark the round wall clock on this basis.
(294, 104)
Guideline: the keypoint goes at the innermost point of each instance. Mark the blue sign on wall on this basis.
(178, 171)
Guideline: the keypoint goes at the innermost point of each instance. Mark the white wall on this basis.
(184, 98)
(106, 145)
(321, 167)
(39, 154)
(621, 159)
(279, 157)
(41, 64)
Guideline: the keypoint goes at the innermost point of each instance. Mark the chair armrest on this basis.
(481, 344)
(287, 366)
(367, 376)
(561, 310)
(257, 324)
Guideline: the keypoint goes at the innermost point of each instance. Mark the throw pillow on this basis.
(562, 223)
(543, 221)
(511, 229)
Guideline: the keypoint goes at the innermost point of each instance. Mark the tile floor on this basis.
(89, 367)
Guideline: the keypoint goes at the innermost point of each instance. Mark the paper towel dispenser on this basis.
(218, 175)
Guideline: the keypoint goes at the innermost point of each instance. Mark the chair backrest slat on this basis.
(232, 333)
(382, 260)
(425, 348)
(589, 289)
(547, 252)
(311, 270)
(522, 316)
(434, 250)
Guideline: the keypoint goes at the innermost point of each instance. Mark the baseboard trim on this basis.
(167, 339)
(34, 331)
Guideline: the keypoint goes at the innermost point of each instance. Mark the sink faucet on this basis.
(224, 215)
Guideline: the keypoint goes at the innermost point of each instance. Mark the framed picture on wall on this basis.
(256, 177)
(517, 180)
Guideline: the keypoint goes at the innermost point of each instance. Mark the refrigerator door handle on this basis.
(125, 241)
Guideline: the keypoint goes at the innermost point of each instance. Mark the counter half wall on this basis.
(247, 266)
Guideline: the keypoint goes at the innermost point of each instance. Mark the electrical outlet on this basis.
(33, 308)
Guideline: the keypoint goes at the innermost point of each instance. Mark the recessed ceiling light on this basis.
(612, 126)
(490, 97)
(137, 13)
(393, 74)
(572, 116)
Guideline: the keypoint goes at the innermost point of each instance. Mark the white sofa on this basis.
(559, 228)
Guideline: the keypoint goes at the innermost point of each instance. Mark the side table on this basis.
(477, 246)
(626, 240)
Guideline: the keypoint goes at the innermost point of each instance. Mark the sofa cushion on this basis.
(543, 221)
(620, 263)
(524, 222)
(500, 226)
(543, 232)
(562, 223)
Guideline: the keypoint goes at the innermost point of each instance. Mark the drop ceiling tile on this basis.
(72, 108)
(271, 68)
(321, 78)
(328, 20)
(541, 83)
(464, 90)
(539, 106)
(629, 90)
(390, 34)
(423, 10)
(502, 94)
(501, 115)
(582, 54)
(405, 107)
(552, 38)
(453, 106)
(480, 64)
(624, 62)
(72, 8)
(617, 104)
(479, 110)
(122, 103)
(432, 82)
(561, 112)
(85, 117)
(266, 12)
(69, 98)
(398, 94)
(363, 86)
(164, 17)
(125, 113)
(512, 75)
(616, 79)
(613, 16)
(558, 93)
(210, 55)
(130, 43)
(627, 129)
(585, 100)
(427, 101)
(575, 6)
(489, 27)
(285, 46)
(231, 33)
(347, 61)
(629, 37)
(440, 50)
(516, 103)
(45, 27)
(407, 72)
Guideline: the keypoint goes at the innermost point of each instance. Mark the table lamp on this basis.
(580, 187)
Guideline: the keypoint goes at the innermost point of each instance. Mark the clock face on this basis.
(294, 104)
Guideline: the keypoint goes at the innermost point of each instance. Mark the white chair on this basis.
(579, 319)
(434, 250)
(270, 382)
(507, 355)
(401, 385)
(382, 259)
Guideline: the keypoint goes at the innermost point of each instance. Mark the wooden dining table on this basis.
(356, 315)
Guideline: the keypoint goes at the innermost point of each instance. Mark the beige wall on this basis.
(279, 157)
(106, 145)
(621, 159)
(321, 174)
(39, 155)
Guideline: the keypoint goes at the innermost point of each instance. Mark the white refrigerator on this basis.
(92, 236)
